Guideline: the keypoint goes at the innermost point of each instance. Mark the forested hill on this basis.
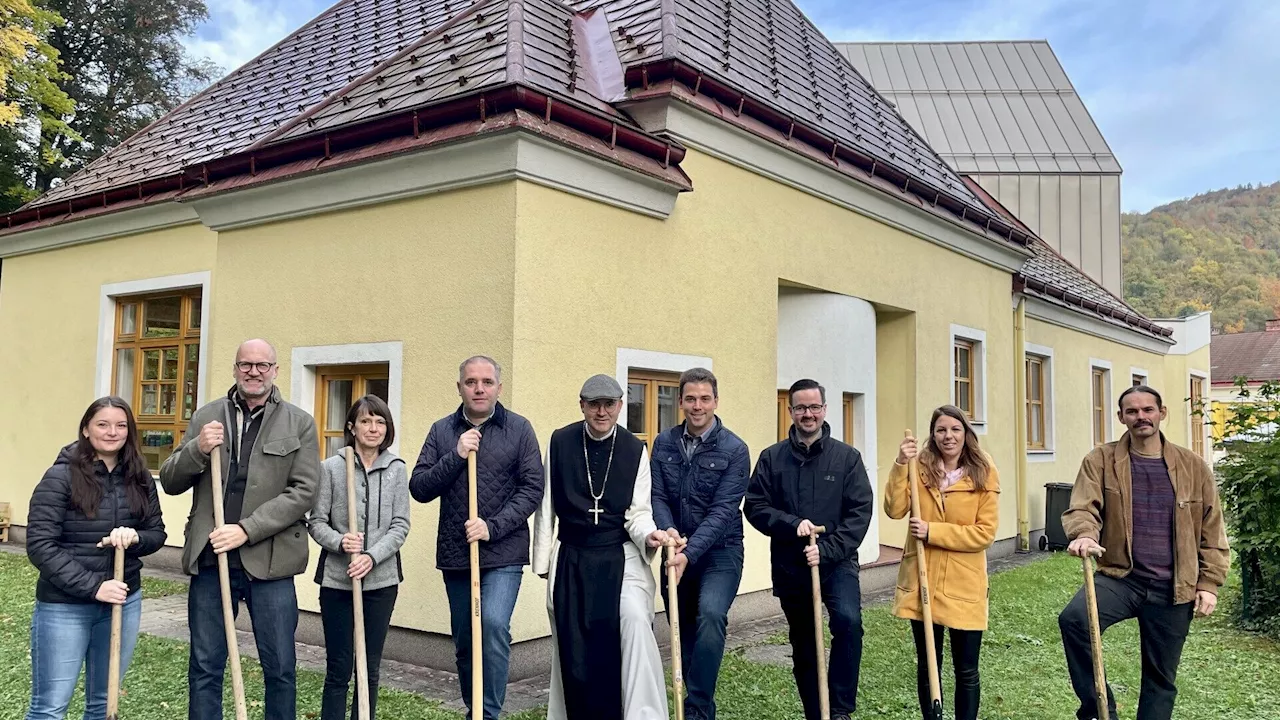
(1217, 251)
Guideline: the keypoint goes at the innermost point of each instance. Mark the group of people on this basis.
(602, 505)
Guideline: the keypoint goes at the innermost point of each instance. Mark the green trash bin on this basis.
(1057, 498)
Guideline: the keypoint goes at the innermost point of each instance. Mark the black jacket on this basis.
(826, 484)
(63, 543)
(509, 486)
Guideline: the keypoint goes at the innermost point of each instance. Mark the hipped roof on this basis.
(365, 71)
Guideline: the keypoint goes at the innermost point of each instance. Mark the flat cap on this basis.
(601, 387)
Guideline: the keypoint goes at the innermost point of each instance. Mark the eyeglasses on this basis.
(802, 409)
(261, 367)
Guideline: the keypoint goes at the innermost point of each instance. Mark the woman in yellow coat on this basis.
(959, 509)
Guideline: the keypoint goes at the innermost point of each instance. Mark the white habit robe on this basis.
(644, 690)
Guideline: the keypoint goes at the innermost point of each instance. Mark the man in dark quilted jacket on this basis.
(509, 485)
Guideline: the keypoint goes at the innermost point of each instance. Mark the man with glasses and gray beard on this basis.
(270, 455)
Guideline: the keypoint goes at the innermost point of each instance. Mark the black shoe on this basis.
(841, 716)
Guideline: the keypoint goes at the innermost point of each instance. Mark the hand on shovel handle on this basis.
(224, 586)
(926, 608)
(1095, 639)
(672, 545)
(820, 638)
(113, 662)
(357, 597)
(477, 654)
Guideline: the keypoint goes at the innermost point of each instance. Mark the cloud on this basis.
(1185, 92)
(238, 30)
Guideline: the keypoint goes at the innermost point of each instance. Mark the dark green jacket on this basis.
(284, 471)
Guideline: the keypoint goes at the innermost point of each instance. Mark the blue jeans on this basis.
(706, 590)
(65, 636)
(498, 590)
(273, 608)
(842, 594)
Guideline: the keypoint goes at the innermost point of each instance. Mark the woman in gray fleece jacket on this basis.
(382, 524)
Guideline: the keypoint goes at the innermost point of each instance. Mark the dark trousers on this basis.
(1162, 628)
(842, 595)
(273, 608)
(966, 645)
(338, 617)
(705, 593)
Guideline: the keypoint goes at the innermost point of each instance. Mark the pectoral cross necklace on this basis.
(595, 510)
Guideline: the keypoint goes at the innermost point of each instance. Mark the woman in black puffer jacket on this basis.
(98, 495)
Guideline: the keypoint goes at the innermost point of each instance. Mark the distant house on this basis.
(633, 187)
(1254, 356)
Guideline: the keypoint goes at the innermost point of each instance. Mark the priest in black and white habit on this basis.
(605, 663)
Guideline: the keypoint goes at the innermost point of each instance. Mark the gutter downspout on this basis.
(1020, 422)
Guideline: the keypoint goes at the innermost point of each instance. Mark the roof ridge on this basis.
(372, 73)
(670, 28)
(515, 41)
(943, 42)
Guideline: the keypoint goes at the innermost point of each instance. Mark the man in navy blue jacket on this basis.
(700, 472)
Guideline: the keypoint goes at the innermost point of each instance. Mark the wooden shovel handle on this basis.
(357, 599)
(926, 608)
(113, 662)
(224, 585)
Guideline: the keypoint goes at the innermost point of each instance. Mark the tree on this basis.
(125, 67)
(1249, 481)
(31, 102)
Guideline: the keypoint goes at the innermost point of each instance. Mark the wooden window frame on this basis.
(784, 414)
(188, 335)
(652, 380)
(1099, 379)
(1195, 397)
(970, 381)
(849, 417)
(359, 375)
(1035, 368)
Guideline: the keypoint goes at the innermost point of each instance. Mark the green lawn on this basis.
(1225, 674)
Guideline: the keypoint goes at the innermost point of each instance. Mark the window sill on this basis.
(1041, 456)
(979, 426)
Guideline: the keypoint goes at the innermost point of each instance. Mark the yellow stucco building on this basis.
(505, 184)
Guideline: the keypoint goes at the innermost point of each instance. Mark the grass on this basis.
(1225, 674)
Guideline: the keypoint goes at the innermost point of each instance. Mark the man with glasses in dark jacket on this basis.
(812, 479)
(700, 471)
(509, 486)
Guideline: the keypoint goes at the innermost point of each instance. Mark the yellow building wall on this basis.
(1073, 353)
(591, 278)
(552, 285)
(424, 272)
(49, 313)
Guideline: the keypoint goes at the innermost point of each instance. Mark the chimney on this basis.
(1273, 325)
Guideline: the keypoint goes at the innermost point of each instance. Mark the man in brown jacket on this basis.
(1149, 510)
(270, 455)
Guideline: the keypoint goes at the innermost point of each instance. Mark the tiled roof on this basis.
(1254, 355)
(366, 61)
(1052, 277)
(989, 107)
(300, 71)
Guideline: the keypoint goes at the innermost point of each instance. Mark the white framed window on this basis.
(152, 352)
(1138, 376)
(1041, 438)
(651, 372)
(1100, 401)
(968, 374)
(374, 367)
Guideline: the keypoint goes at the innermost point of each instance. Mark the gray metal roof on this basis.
(988, 107)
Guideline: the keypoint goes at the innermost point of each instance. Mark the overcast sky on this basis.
(1186, 92)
